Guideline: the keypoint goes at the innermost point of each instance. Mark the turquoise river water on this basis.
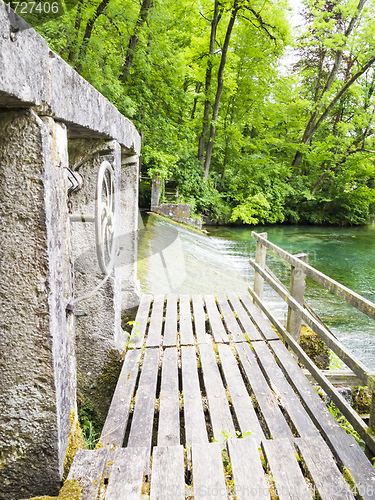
(175, 259)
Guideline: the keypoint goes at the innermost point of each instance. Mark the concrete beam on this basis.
(31, 75)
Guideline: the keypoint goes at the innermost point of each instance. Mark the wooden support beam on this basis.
(297, 291)
(370, 452)
(338, 377)
(260, 259)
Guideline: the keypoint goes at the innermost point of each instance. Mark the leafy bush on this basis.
(90, 424)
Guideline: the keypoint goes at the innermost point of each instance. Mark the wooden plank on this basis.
(186, 327)
(323, 469)
(208, 471)
(217, 327)
(286, 395)
(230, 320)
(248, 474)
(140, 323)
(221, 418)
(170, 325)
(289, 481)
(242, 403)
(268, 405)
(250, 331)
(117, 418)
(127, 473)
(199, 320)
(258, 319)
(88, 469)
(343, 445)
(354, 299)
(143, 417)
(156, 322)
(195, 424)
(168, 474)
(169, 413)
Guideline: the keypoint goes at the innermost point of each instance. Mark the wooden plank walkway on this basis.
(211, 404)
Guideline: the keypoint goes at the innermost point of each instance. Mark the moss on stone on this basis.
(100, 394)
(314, 347)
(361, 400)
(71, 490)
(348, 478)
(99, 444)
(75, 443)
(43, 498)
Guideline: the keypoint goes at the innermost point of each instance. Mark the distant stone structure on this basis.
(56, 131)
(176, 211)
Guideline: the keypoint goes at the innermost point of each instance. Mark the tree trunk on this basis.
(77, 25)
(220, 83)
(206, 112)
(88, 32)
(142, 18)
(197, 89)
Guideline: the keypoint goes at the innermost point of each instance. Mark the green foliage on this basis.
(335, 363)
(252, 210)
(345, 424)
(144, 194)
(263, 109)
(227, 434)
(202, 196)
(90, 424)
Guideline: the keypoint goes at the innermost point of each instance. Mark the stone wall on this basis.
(179, 212)
(99, 336)
(52, 119)
(176, 211)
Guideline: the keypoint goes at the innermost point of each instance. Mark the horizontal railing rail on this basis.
(297, 308)
(352, 298)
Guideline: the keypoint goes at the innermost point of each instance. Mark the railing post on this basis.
(297, 291)
(260, 259)
(369, 452)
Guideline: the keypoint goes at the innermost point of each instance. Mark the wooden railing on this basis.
(298, 313)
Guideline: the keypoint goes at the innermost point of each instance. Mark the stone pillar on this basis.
(155, 192)
(127, 265)
(37, 385)
(98, 317)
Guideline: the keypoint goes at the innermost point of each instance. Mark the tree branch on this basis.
(338, 96)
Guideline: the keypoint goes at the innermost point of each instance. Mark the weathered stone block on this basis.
(35, 394)
(23, 62)
(32, 75)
